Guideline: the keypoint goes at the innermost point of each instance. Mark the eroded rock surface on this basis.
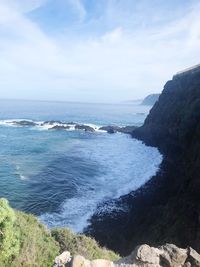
(168, 255)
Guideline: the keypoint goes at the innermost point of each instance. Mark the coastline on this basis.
(166, 208)
(141, 217)
(112, 227)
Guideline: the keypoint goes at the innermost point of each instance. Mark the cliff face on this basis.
(173, 126)
(150, 100)
(167, 208)
(173, 122)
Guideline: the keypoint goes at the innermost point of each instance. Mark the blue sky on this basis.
(94, 50)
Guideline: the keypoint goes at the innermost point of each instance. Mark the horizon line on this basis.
(70, 101)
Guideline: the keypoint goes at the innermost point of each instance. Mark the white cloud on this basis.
(23, 6)
(122, 63)
(113, 36)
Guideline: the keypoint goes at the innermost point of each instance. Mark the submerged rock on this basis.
(168, 255)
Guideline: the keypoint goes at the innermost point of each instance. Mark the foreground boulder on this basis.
(173, 256)
(62, 259)
(168, 255)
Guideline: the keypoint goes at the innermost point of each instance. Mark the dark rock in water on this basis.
(127, 129)
(166, 208)
(52, 122)
(71, 123)
(85, 128)
(24, 123)
(114, 129)
(111, 131)
(110, 128)
(59, 127)
(150, 100)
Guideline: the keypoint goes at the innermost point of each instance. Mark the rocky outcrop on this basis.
(84, 127)
(114, 129)
(143, 256)
(60, 127)
(23, 123)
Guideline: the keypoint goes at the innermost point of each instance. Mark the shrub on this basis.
(24, 241)
(37, 247)
(81, 244)
(9, 236)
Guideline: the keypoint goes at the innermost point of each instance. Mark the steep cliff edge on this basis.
(173, 123)
(167, 208)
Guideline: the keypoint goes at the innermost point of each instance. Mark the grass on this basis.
(81, 244)
(25, 242)
(37, 246)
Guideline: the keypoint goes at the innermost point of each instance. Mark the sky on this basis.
(95, 50)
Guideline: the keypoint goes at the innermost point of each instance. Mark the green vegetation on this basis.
(24, 241)
(37, 246)
(81, 244)
(9, 237)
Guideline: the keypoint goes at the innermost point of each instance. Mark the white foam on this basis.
(6, 122)
(124, 167)
(20, 173)
(23, 177)
(41, 125)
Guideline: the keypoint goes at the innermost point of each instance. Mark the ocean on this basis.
(63, 175)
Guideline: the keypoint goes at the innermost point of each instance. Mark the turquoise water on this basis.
(61, 176)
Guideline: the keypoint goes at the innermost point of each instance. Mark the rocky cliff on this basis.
(167, 208)
(150, 100)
